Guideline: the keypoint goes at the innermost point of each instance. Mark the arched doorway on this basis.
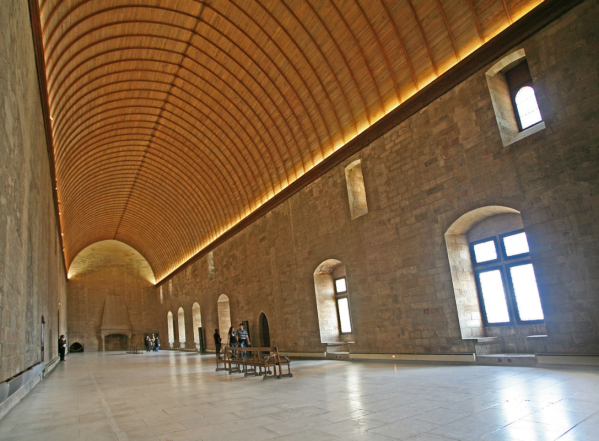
(197, 324)
(181, 327)
(264, 330)
(171, 328)
(224, 315)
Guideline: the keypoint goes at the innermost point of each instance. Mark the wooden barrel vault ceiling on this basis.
(173, 120)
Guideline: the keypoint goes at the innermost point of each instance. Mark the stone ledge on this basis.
(464, 358)
(580, 360)
(483, 339)
(305, 354)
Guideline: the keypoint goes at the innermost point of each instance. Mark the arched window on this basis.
(181, 327)
(197, 322)
(513, 97)
(224, 315)
(332, 300)
(527, 107)
(523, 97)
(264, 330)
(171, 328)
(356, 190)
(493, 277)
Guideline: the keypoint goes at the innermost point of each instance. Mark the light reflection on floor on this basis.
(178, 396)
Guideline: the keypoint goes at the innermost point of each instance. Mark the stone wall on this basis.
(111, 269)
(420, 177)
(32, 276)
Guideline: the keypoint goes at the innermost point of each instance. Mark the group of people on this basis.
(152, 344)
(239, 338)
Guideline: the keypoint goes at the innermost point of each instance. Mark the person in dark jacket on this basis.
(147, 342)
(62, 347)
(232, 338)
(217, 341)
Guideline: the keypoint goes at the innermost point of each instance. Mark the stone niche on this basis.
(112, 300)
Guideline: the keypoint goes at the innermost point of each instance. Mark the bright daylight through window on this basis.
(506, 280)
(528, 109)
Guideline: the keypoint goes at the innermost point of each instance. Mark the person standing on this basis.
(62, 347)
(157, 344)
(147, 342)
(217, 341)
(232, 339)
(153, 343)
(243, 338)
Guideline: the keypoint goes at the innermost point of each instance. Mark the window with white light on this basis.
(505, 277)
(523, 96)
(342, 300)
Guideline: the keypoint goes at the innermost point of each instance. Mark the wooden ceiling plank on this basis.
(455, 49)
(384, 54)
(401, 42)
(345, 62)
(426, 44)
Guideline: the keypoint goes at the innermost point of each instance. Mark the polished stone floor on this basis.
(178, 396)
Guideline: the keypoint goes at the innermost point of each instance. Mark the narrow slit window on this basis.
(342, 299)
(356, 190)
(161, 296)
(170, 289)
(211, 265)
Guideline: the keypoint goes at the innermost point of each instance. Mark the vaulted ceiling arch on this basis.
(174, 121)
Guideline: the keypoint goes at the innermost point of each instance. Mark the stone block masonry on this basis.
(419, 178)
(32, 276)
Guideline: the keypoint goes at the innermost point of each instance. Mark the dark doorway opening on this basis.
(264, 331)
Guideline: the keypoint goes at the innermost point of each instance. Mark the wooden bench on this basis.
(258, 361)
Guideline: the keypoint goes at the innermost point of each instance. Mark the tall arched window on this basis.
(332, 300)
(224, 315)
(514, 99)
(171, 328)
(493, 278)
(181, 327)
(197, 322)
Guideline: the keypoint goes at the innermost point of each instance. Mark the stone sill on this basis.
(483, 339)
(528, 132)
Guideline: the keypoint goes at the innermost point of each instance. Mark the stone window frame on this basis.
(502, 101)
(356, 189)
(465, 290)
